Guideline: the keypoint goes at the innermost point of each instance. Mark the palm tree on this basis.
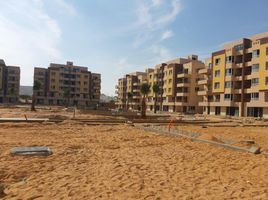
(156, 90)
(129, 98)
(37, 86)
(145, 89)
(67, 96)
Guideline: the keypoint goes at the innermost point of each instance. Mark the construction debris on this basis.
(31, 151)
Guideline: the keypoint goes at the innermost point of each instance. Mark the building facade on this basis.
(177, 80)
(236, 79)
(9, 83)
(128, 90)
(64, 84)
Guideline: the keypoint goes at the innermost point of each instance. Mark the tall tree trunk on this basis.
(143, 108)
(155, 100)
(33, 102)
(127, 105)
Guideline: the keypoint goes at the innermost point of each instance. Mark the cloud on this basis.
(157, 2)
(152, 16)
(67, 7)
(167, 34)
(29, 35)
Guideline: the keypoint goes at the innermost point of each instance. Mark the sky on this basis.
(115, 37)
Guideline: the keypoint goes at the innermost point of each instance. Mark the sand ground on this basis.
(123, 162)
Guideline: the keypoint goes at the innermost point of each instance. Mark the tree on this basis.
(156, 91)
(129, 98)
(37, 86)
(67, 96)
(11, 93)
(145, 89)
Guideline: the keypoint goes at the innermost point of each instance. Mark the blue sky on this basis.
(114, 37)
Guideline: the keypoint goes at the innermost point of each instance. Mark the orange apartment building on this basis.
(130, 83)
(9, 83)
(235, 79)
(178, 82)
(82, 85)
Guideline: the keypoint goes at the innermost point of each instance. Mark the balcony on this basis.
(183, 84)
(135, 84)
(239, 65)
(182, 94)
(204, 71)
(249, 63)
(203, 103)
(183, 75)
(202, 92)
(202, 82)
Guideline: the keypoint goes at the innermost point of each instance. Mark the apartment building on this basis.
(235, 79)
(177, 80)
(63, 83)
(9, 83)
(130, 84)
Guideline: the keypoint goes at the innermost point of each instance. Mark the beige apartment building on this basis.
(178, 82)
(9, 83)
(63, 83)
(235, 79)
(130, 83)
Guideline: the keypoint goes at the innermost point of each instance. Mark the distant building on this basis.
(9, 83)
(177, 80)
(130, 83)
(68, 83)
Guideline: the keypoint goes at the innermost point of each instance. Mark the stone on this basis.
(255, 150)
(2, 192)
(31, 151)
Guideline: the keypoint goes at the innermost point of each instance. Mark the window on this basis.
(150, 76)
(169, 89)
(216, 85)
(53, 80)
(255, 96)
(209, 65)
(256, 53)
(217, 73)
(228, 84)
(266, 67)
(228, 72)
(170, 80)
(218, 98)
(218, 61)
(228, 97)
(53, 73)
(266, 51)
(170, 72)
(239, 47)
(229, 59)
(254, 81)
(266, 80)
(255, 68)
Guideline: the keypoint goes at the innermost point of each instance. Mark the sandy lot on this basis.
(235, 134)
(122, 162)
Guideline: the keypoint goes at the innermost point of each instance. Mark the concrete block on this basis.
(31, 151)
